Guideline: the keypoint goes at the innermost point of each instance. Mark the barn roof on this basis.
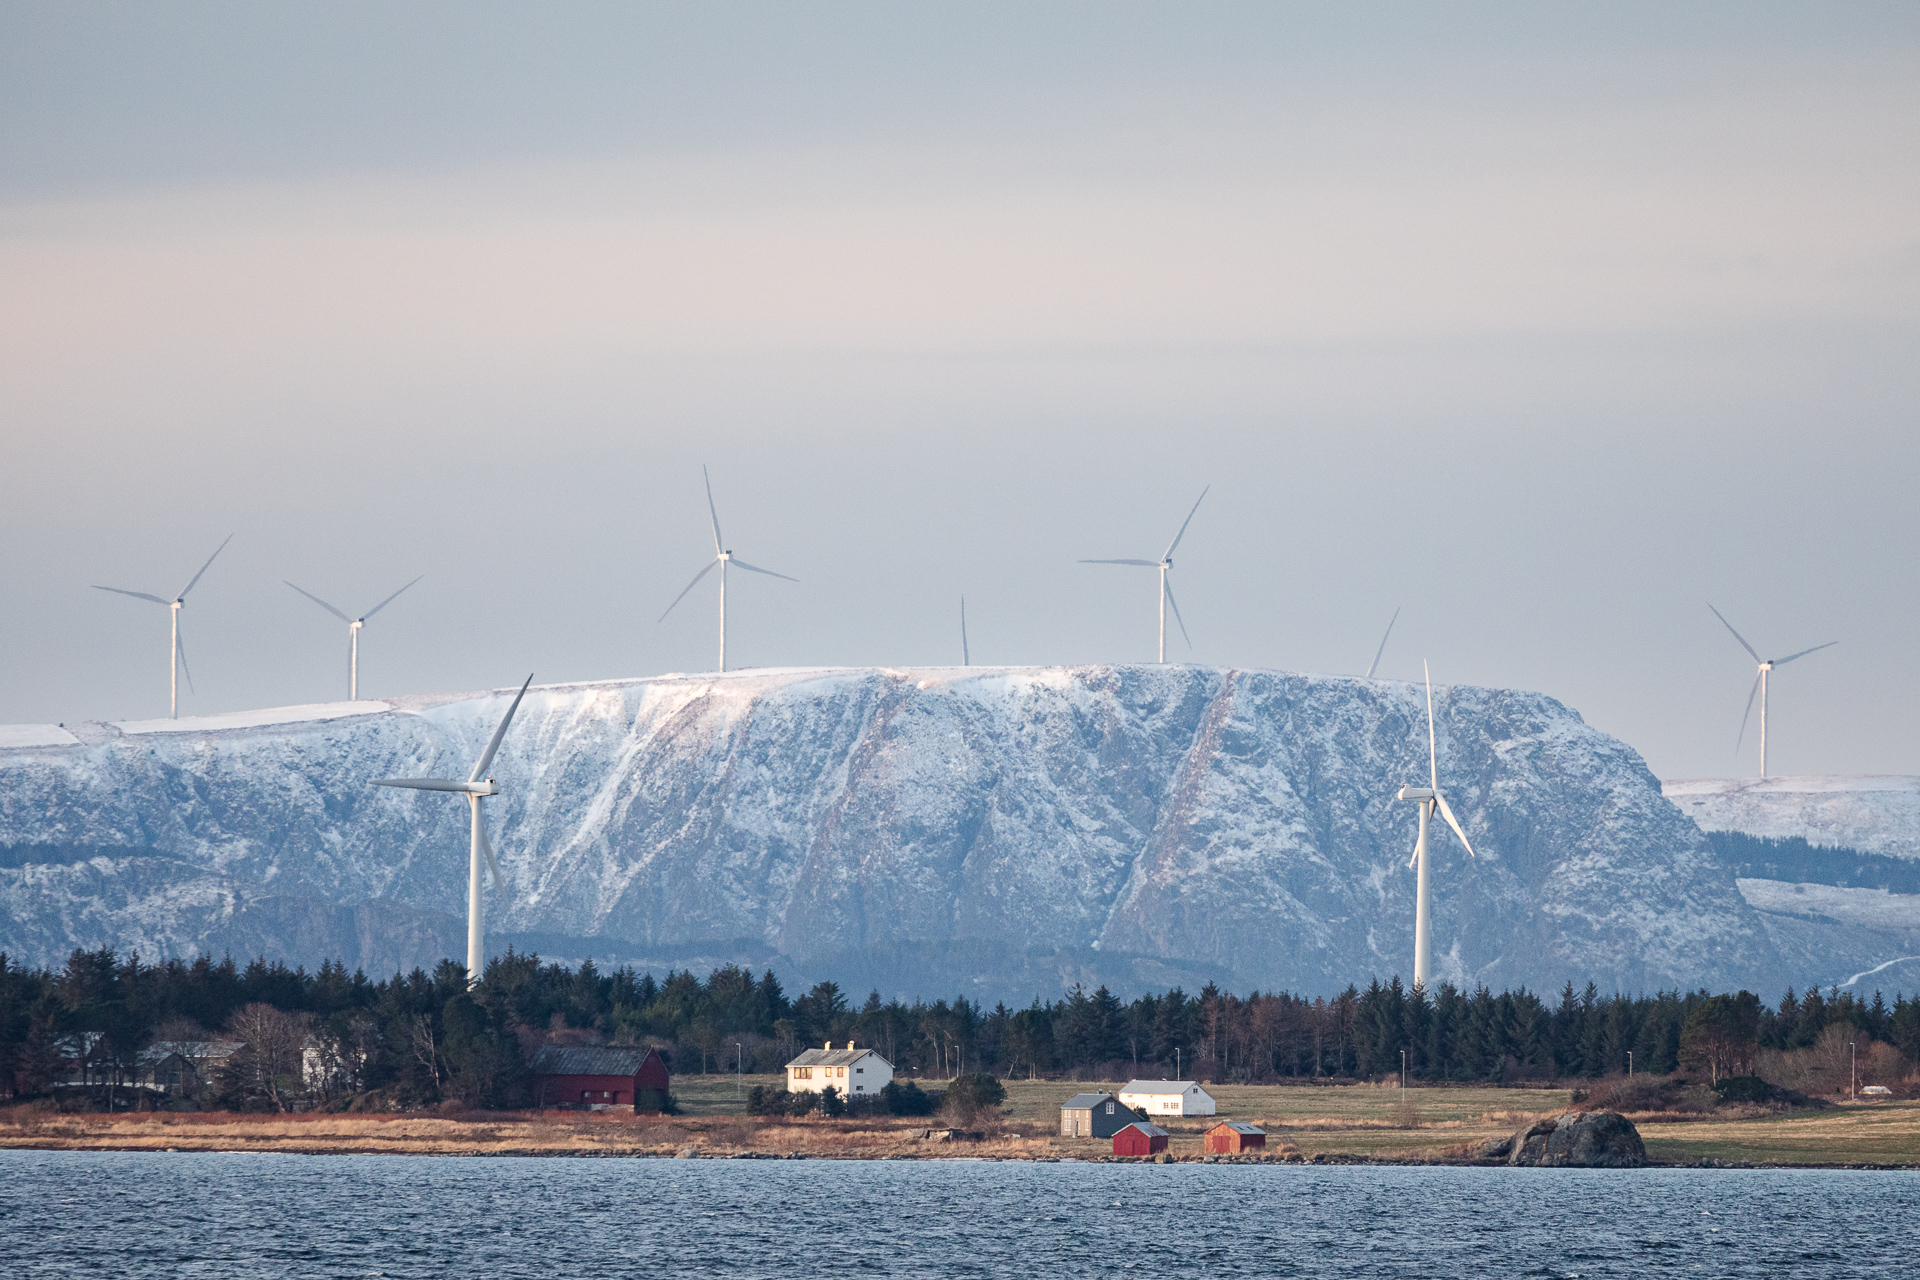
(1161, 1086)
(1085, 1101)
(831, 1057)
(1239, 1126)
(589, 1059)
(1147, 1127)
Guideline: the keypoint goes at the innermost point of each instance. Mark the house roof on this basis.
(1162, 1087)
(1147, 1127)
(1085, 1101)
(589, 1059)
(160, 1050)
(833, 1057)
(1239, 1126)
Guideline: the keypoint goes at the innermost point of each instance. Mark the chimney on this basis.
(849, 1044)
(826, 1044)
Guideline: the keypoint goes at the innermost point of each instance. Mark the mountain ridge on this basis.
(1227, 821)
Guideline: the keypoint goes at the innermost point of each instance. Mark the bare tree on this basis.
(269, 1064)
(425, 1050)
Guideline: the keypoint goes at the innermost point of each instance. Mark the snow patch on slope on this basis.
(253, 719)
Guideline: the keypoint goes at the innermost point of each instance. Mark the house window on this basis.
(859, 1071)
(1109, 1108)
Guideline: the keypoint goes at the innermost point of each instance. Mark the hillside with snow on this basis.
(1872, 813)
(1848, 891)
(1014, 828)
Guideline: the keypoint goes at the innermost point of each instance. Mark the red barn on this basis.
(1230, 1137)
(594, 1077)
(1140, 1139)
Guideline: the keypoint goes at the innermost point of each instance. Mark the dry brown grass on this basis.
(1305, 1122)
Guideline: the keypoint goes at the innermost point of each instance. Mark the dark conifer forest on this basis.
(335, 1039)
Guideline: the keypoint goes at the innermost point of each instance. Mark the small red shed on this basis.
(1142, 1138)
(1230, 1137)
(594, 1077)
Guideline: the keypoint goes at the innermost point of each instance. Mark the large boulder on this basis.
(1579, 1140)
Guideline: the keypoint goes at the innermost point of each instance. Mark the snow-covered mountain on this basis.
(1010, 826)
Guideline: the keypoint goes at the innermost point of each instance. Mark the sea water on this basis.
(134, 1215)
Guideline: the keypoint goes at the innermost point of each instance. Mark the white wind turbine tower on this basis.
(177, 656)
(721, 557)
(1164, 564)
(476, 788)
(353, 632)
(1760, 685)
(1428, 798)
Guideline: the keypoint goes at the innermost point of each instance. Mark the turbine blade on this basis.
(966, 658)
(486, 847)
(1383, 642)
(208, 565)
(1752, 693)
(738, 563)
(1184, 523)
(1433, 750)
(422, 784)
(1736, 635)
(480, 770)
(180, 645)
(322, 603)
(138, 595)
(1413, 860)
(1176, 616)
(1780, 662)
(1447, 813)
(711, 510)
(384, 603)
(1151, 564)
(683, 592)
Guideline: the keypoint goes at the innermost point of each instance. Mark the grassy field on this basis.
(1361, 1120)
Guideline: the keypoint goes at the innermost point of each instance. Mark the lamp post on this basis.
(739, 1068)
(1176, 1062)
(1629, 1064)
(1853, 1076)
(1403, 1075)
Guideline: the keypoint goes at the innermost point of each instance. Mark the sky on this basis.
(1544, 325)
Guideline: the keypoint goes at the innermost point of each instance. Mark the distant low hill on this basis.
(1832, 863)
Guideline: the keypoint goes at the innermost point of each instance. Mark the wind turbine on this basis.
(1383, 642)
(1163, 564)
(177, 657)
(476, 788)
(1428, 798)
(721, 557)
(353, 632)
(966, 659)
(1760, 685)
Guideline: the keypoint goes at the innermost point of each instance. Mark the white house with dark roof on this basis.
(1167, 1098)
(851, 1071)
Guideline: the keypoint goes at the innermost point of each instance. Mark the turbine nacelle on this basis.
(1416, 793)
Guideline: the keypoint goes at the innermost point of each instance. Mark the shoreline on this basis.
(1323, 1160)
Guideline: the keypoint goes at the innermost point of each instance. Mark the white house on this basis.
(1167, 1098)
(851, 1071)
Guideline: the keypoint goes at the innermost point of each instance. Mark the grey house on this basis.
(1095, 1115)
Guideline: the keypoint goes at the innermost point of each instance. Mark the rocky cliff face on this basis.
(1177, 822)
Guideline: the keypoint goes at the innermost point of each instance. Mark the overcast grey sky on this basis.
(1549, 326)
